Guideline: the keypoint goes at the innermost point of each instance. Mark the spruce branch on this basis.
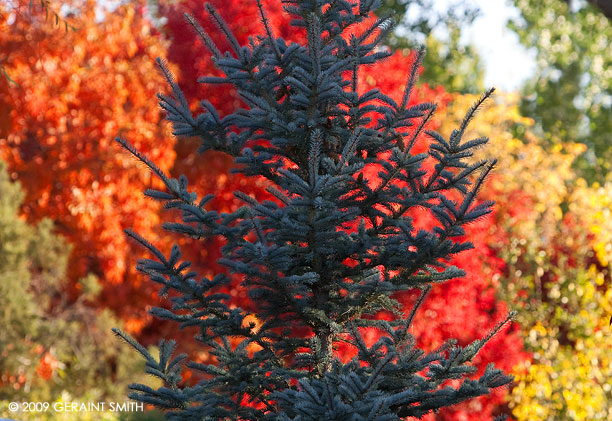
(130, 148)
(412, 77)
(206, 39)
(268, 28)
(222, 25)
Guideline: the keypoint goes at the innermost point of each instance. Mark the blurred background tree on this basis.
(75, 91)
(570, 96)
(67, 99)
(450, 62)
(51, 16)
(417, 19)
(453, 64)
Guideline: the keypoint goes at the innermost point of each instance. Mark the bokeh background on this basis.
(76, 73)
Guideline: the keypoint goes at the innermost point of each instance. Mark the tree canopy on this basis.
(570, 96)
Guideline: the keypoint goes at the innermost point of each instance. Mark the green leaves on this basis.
(569, 97)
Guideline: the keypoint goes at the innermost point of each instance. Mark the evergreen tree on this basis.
(332, 251)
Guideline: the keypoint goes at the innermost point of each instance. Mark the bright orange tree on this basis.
(473, 299)
(74, 91)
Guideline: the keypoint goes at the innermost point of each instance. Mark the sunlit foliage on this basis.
(74, 91)
(556, 273)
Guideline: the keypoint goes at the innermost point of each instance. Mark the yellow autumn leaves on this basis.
(557, 251)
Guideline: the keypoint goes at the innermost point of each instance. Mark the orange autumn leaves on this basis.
(76, 91)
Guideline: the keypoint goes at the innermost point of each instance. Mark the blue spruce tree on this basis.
(304, 109)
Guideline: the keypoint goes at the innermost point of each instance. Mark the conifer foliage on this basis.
(330, 251)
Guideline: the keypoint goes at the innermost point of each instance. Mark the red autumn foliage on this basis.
(46, 366)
